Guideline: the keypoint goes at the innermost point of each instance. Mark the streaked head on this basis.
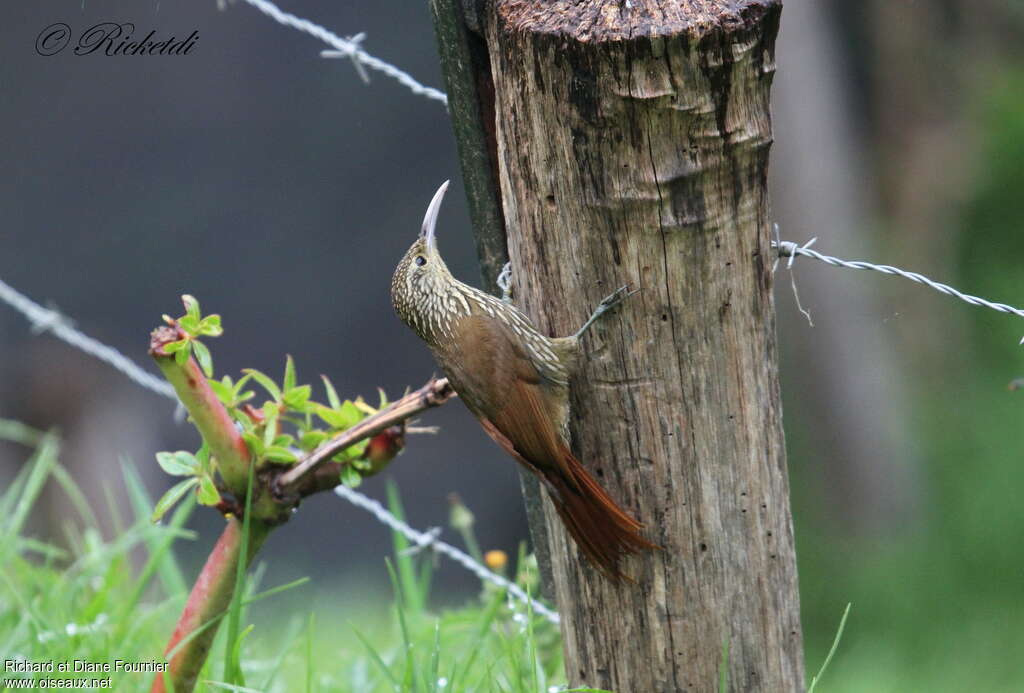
(421, 272)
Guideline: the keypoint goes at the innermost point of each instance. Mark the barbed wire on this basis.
(790, 250)
(351, 48)
(348, 48)
(430, 540)
(47, 320)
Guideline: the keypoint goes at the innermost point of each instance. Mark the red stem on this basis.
(207, 412)
(210, 598)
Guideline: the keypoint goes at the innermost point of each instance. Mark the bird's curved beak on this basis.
(430, 218)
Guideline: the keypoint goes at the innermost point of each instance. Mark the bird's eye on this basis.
(420, 261)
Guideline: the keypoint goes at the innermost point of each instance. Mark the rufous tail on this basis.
(603, 531)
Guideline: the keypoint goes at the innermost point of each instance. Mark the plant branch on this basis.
(210, 598)
(213, 591)
(207, 412)
(435, 393)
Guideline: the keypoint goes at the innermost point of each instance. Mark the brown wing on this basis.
(499, 383)
(522, 411)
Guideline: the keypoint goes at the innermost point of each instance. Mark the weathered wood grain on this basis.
(632, 146)
(467, 73)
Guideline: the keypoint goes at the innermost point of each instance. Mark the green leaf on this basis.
(296, 397)
(191, 306)
(225, 393)
(276, 453)
(181, 356)
(350, 476)
(289, 372)
(383, 398)
(270, 414)
(311, 439)
(210, 326)
(353, 452)
(176, 346)
(203, 457)
(254, 442)
(341, 418)
(265, 380)
(284, 440)
(208, 494)
(203, 357)
(270, 409)
(332, 394)
(351, 413)
(180, 463)
(190, 325)
(241, 383)
(168, 500)
(332, 418)
(242, 419)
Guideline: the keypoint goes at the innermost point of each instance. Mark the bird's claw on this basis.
(505, 282)
(609, 302)
(619, 295)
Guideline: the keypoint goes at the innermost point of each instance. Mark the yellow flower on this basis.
(496, 560)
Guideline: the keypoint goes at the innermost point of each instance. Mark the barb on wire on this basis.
(791, 250)
(460, 557)
(428, 539)
(354, 40)
(792, 275)
(348, 48)
(47, 320)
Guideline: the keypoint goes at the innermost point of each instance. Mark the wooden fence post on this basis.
(631, 146)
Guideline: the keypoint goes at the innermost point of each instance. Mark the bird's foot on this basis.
(505, 282)
(615, 298)
(609, 302)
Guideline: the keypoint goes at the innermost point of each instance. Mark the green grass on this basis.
(816, 679)
(96, 599)
(82, 599)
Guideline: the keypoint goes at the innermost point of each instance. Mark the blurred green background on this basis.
(281, 190)
(938, 596)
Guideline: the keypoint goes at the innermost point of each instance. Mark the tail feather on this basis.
(603, 531)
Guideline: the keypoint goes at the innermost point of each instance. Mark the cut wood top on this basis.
(618, 20)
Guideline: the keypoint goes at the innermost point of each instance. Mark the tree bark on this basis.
(632, 147)
(467, 73)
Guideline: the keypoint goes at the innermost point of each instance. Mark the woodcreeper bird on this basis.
(516, 382)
